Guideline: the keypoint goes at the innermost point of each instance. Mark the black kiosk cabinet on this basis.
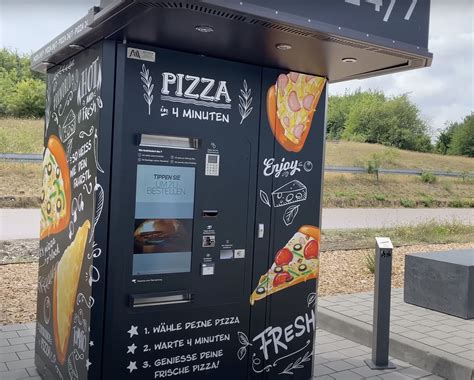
(182, 176)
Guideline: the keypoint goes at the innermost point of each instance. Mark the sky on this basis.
(444, 92)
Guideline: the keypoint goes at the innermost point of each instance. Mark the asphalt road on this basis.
(24, 223)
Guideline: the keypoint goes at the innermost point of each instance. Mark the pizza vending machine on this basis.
(182, 184)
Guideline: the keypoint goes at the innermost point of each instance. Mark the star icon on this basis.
(88, 364)
(133, 330)
(132, 366)
(131, 349)
(91, 343)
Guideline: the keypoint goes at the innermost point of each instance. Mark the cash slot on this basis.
(210, 213)
(147, 300)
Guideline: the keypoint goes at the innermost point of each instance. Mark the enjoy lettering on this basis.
(272, 168)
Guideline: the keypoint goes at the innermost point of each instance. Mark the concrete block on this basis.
(441, 281)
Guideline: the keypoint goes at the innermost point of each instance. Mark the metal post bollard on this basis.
(381, 322)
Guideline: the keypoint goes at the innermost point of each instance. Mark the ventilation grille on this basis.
(226, 15)
(195, 8)
(262, 23)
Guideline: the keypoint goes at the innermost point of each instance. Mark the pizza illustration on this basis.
(291, 104)
(297, 262)
(66, 281)
(56, 192)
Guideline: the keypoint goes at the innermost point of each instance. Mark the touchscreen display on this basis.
(163, 219)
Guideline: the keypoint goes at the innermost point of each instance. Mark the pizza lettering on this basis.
(66, 281)
(297, 262)
(56, 193)
(291, 103)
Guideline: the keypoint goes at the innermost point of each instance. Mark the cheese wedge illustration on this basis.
(292, 192)
(66, 281)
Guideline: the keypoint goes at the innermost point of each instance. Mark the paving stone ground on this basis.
(336, 358)
(440, 331)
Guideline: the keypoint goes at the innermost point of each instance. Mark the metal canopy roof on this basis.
(321, 41)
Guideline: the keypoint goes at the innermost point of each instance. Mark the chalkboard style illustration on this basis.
(66, 281)
(148, 86)
(245, 102)
(292, 192)
(71, 205)
(264, 198)
(69, 126)
(244, 341)
(56, 192)
(287, 195)
(291, 104)
(290, 214)
(297, 364)
(312, 299)
(297, 262)
(99, 205)
(96, 154)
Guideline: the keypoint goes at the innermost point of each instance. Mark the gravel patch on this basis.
(342, 272)
(16, 251)
(345, 272)
(18, 293)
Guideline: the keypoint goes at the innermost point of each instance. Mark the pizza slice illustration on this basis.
(66, 281)
(56, 192)
(297, 262)
(291, 104)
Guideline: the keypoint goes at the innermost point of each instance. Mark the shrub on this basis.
(466, 174)
(428, 177)
(369, 261)
(408, 203)
(427, 201)
(380, 197)
(374, 163)
(457, 203)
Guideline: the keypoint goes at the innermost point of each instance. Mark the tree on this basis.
(390, 121)
(339, 108)
(443, 142)
(22, 91)
(28, 99)
(462, 142)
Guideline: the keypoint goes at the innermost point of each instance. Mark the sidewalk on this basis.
(336, 358)
(437, 342)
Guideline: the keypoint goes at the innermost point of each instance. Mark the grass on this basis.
(426, 233)
(20, 186)
(20, 183)
(26, 136)
(21, 136)
(362, 190)
(348, 153)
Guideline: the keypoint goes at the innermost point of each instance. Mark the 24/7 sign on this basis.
(379, 4)
(404, 21)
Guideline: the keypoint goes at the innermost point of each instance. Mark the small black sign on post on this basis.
(381, 321)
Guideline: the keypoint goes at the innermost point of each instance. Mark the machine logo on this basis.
(141, 55)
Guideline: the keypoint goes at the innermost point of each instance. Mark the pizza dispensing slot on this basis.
(210, 213)
(169, 141)
(146, 300)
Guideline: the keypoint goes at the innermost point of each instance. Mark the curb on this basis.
(431, 359)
